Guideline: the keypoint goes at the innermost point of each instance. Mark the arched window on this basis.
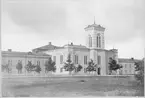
(97, 41)
(90, 41)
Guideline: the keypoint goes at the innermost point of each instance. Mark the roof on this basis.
(127, 60)
(52, 47)
(75, 46)
(99, 27)
(47, 47)
(16, 53)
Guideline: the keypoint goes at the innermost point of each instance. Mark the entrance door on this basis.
(99, 70)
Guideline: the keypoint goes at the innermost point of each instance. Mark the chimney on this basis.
(10, 50)
(49, 43)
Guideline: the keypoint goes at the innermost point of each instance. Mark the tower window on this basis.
(97, 41)
(90, 41)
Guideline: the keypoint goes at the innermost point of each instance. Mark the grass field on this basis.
(71, 86)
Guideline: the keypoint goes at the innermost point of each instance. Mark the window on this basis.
(97, 41)
(9, 62)
(90, 41)
(130, 65)
(125, 65)
(54, 58)
(61, 69)
(85, 59)
(76, 59)
(61, 59)
(99, 60)
(38, 62)
(125, 71)
(130, 72)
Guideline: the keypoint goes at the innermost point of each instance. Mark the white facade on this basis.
(12, 57)
(128, 66)
(94, 50)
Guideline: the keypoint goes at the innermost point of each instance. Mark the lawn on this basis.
(71, 86)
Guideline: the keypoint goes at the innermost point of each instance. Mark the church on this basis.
(94, 50)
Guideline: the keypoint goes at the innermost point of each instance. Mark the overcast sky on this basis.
(28, 24)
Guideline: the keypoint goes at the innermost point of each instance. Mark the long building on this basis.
(12, 58)
(80, 54)
(128, 66)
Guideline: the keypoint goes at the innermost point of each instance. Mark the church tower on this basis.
(95, 36)
(95, 40)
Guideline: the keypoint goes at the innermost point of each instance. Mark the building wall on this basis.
(128, 68)
(102, 65)
(65, 51)
(15, 58)
(109, 54)
(81, 53)
(91, 54)
(56, 53)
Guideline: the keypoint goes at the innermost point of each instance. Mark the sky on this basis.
(28, 24)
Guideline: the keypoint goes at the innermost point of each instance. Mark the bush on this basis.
(140, 71)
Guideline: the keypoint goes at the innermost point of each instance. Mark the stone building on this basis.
(128, 66)
(80, 54)
(12, 57)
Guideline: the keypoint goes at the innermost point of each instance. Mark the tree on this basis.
(68, 65)
(50, 66)
(113, 66)
(19, 67)
(91, 66)
(139, 67)
(78, 68)
(38, 68)
(30, 67)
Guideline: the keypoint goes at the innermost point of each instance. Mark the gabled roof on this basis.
(47, 47)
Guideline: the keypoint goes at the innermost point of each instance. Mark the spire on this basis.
(94, 19)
